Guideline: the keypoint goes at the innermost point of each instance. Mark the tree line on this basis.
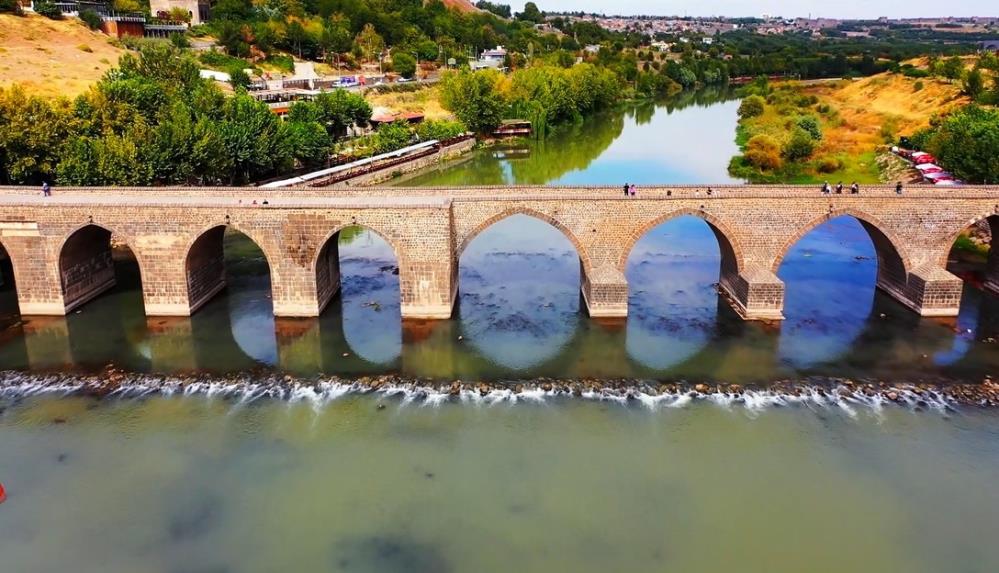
(154, 121)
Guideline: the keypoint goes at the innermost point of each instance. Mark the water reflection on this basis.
(518, 299)
(647, 143)
(673, 305)
(519, 315)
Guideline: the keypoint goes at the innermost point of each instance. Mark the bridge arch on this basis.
(8, 281)
(326, 261)
(580, 249)
(728, 244)
(989, 274)
(943, 250)
(893, 262)
(85, 263)
(204, 262)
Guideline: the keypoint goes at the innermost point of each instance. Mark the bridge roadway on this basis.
(60, 246)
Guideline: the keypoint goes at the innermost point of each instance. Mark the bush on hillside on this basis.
(92, 19)
(800, 146)
(11, 6)
(763, 152)
(47, 9)
(752, 106)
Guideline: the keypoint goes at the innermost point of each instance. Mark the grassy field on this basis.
(53, 57)
(857, 118)
(425, 101)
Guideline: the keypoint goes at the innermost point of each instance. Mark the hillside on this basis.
(853, 120)
(461, 5)
(870, 108)
(53, 57)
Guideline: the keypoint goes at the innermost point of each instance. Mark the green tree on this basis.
(952, 68)
(404, 64)
(531, 13)
(974, 84)
(474, 99)
(310, 145)
(966, 142)
(392, 136)
(370, 43)
(32, 132)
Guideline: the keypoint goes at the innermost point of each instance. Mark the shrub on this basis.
(179, 41)
(47, 9)
(92, 19)
(918, 86)
(800, 146)
(810, 124)
(85, 48)
(829, 165)
(440, 129)
(404, 64)
(12, 6)
(752, 106)
(763, 152)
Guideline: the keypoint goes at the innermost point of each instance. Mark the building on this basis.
(990, 46)
(494, 59)
(197, 10)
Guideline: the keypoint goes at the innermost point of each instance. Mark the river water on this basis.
(330, 480)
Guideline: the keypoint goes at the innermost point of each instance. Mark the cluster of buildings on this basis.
(168, 16)
(768, 24)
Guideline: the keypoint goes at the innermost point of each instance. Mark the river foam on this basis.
(843, 394)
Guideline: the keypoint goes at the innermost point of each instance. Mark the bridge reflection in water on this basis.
(519, 315)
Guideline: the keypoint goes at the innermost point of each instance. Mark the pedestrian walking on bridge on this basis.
(46, 189)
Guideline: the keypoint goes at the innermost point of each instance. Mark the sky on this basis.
(786, 8)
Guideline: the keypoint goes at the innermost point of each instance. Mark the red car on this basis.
(924, 159)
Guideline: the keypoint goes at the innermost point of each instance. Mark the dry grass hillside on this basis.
(53, 57)
(425, 101)
(461, 5)
(885, 104)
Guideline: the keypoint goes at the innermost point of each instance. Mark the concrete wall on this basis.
(175, 234)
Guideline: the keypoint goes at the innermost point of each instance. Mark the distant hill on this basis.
(53, 57)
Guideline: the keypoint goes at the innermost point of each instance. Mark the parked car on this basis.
(924, 158)
(929, 168)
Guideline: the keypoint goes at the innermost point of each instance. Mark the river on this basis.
(224, 476)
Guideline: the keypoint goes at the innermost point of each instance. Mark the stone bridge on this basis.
(60, 249)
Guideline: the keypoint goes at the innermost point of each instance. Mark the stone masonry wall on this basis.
(429, 228)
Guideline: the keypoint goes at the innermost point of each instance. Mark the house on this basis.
(661, 46)
(494, 59)
(592, 49)
(197, 10)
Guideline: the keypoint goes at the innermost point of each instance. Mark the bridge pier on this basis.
(605, 292)
(928, 291)
(755, 294)
(427, 288)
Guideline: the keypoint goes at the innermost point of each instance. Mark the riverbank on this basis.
(850, 123)
(114, 383)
